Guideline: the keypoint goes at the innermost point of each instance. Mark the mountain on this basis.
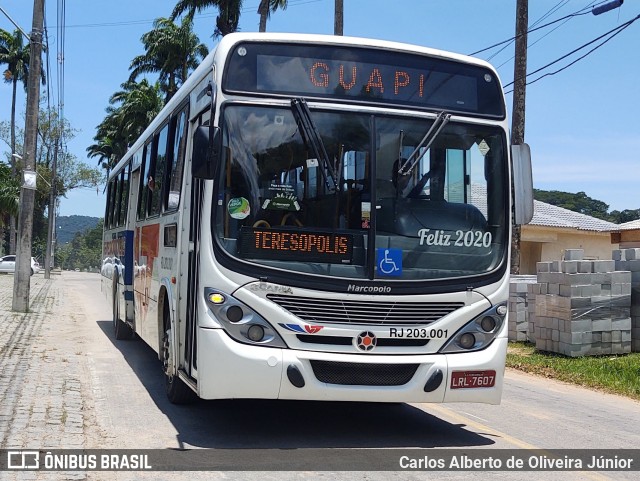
(68, 226)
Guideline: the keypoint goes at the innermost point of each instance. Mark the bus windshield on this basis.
(443, 216)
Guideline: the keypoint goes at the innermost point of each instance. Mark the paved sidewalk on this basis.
(45, 398)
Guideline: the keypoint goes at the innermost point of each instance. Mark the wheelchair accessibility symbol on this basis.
(389, 262)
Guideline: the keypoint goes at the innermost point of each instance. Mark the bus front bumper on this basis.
(228, 369)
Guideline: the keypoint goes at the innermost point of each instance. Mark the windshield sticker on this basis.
(483, 147)
(389, 262)
(239, 208)
(284, 198)
(282, 202)
(461, 238)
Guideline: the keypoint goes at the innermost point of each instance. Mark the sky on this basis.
(583, 124)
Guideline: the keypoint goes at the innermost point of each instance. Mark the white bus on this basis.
(322, 218)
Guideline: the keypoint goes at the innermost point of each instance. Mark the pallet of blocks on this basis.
(586, 310)
(629, 260)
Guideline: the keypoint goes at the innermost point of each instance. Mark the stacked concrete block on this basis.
(629, 260)
(584, 307)
(521, 303)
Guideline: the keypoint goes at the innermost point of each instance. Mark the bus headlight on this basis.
(479, 332)
(241, 322)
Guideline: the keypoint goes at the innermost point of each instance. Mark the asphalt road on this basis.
(132, 411)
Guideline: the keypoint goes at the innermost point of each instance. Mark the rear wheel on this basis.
(177, 391)
(121, 329)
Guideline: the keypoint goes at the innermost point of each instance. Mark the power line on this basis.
(545, 35)
(575, 14)
(548, 13)
(617, 31)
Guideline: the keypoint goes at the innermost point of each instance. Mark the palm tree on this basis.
(265, 8)
(227, 19)
(15, 55)
(132, 109)
(171, 51)
(139, 103)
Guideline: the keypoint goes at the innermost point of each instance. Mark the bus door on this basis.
(192, 249)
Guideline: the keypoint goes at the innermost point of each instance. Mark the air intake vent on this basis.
(363, 374)
(336, 311)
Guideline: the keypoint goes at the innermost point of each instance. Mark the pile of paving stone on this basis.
(521, 306)
(582, 307)
(629, 260)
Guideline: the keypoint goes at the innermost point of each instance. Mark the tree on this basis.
(579, 202)
(227, 19)
(84, 251)
(16, 56)
(131, 111)
(9, 200)
(70, 172)
(171, 51)
(627, 215)
(267, 7)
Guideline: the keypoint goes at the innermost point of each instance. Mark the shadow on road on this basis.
(291, 424)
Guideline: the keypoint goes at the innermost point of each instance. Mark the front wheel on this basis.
(177, 391)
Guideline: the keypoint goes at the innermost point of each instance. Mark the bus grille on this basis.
(348, 341)
(361, 374)
(336, 311)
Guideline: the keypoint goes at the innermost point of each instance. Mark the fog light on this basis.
(502, 310)
(467, 340)
(488, 324)
(255, 333)
(234, 313)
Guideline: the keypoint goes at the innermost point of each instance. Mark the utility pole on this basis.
(52, 214)
(338, 18)
(518, 111)
(22, 277)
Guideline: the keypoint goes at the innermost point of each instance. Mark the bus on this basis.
(321, 218)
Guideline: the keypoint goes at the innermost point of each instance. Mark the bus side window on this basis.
(144, 180)
(124, 200)
(107, 212)
(156, 181)
(115, 204)
(172, 199)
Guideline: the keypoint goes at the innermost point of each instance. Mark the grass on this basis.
(614, 374)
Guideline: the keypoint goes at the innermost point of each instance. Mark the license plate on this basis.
(472, 379)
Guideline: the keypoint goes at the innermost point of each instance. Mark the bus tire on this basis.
(177, 391)
(121, 329)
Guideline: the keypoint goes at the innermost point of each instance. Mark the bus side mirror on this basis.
(522, 184)
(206, 152)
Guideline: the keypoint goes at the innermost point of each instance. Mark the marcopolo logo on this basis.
(369, 289)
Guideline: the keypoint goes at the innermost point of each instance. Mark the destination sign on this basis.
(364, 74)
(304, 246)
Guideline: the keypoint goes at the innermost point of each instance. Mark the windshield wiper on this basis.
(311, 138)
(438, 124)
